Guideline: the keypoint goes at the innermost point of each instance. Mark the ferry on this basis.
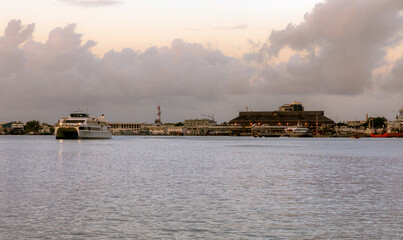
(80, 125)
(298, 132)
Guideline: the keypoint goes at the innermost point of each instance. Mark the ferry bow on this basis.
(81, 126)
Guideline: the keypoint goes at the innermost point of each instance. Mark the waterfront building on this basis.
(397, 124)
(7, 125)
(174, 130)
(292, 107)
(292, 114)
(356, 125)
(125, 127)
(45, 129)
(156, 129)
(191, 123)
(17, 127)
(198, 126)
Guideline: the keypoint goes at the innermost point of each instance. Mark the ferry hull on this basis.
(94, 134)
(388, 135)
(67, 133)
(75, 133)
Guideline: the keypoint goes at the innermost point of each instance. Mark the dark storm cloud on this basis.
(337, 48)
(92, 3)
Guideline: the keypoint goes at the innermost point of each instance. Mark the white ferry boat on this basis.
(81, 126)
(298, 132)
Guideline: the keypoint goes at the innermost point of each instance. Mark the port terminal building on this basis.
(198, 126)
(125, 128)
(288, 115)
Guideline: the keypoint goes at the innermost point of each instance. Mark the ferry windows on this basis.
(74, 121)
(79, 115)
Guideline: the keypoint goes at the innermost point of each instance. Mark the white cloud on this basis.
(92, 3)
(231, 28)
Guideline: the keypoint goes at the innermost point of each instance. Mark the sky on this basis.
(227, 25)
(123, 58)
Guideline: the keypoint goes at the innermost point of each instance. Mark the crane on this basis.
(210, 116)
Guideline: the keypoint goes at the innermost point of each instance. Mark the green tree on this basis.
(32, 126)
(378, 122)
(52, 129)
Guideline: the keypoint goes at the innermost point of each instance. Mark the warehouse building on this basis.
(292, 114)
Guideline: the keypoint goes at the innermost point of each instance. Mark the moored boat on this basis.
(387, 135)
(394, 128)
(80, 125)
(298, 132)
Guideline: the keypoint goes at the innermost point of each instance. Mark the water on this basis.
(200, 187)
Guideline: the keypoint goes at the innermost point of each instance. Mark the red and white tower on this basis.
(158, 120)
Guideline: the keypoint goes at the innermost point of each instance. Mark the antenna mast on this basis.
(158, 120)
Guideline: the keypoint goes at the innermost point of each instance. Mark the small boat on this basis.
(298, 132)
(80, 125)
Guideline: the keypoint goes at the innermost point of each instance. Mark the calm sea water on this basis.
(200, 187)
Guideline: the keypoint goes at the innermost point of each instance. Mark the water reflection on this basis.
(228, 188)
(60, 152)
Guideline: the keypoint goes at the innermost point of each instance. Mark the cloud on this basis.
(230, 28)
(336, 48)
(92, 3)
(335, 51)
(394, 80)
(222, 28)
(12, 57)
(62, 73)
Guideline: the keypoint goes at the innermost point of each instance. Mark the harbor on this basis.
(277, 120)
(290, 120)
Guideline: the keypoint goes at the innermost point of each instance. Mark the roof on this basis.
(7, 124)
(274, 117)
